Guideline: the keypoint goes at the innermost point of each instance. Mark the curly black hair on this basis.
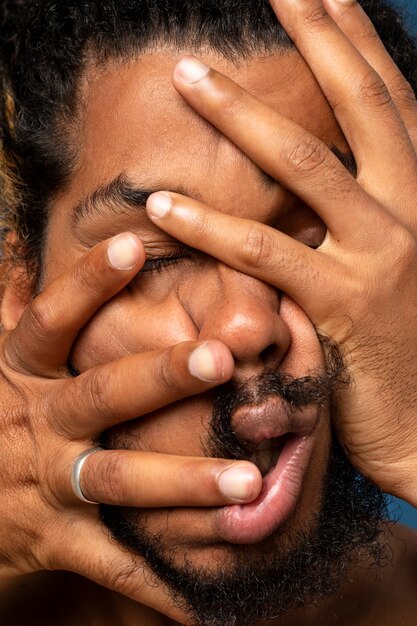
(46, 46)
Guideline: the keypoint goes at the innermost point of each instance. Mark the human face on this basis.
(135, 124)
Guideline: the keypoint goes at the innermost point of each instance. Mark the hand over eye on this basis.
(360, 285)
(49, 418)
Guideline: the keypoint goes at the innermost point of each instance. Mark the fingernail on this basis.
(123, 251)
(204, 363)
(191, 70)
(158, 205)
(236, 483)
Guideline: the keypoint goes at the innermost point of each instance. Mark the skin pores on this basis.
(134, 123)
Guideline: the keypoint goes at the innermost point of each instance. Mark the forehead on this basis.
(135, 122)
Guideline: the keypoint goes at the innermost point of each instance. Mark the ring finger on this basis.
(149, 479)
(353, 21)
(359, 97)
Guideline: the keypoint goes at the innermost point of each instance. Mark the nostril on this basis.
(271, 354)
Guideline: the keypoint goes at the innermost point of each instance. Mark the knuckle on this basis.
(402, 91)
(227, 101)
(257, 246)
(123, 578)
(372, 89)
(201, 225)
(42, 318)
(166, 370)
(105, 476)
(405, 251)
(199, 476)
(85, 276)
(314, 17)
(308, 155)
(367, 36)
(97, 386)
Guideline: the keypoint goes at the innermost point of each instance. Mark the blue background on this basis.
(403, 512)
(406, 512)
(408, 8)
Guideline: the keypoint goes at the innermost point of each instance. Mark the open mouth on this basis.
(279, 440)
(265, 455)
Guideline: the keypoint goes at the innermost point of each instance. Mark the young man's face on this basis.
(135, 124)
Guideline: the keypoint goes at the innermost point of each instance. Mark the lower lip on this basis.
(254, 522)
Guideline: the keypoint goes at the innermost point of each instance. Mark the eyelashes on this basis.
(161, 263)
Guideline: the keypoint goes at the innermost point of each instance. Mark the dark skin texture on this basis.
(371, 597)
(237, 309)
(200, 300)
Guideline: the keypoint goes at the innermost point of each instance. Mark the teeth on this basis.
(266, 444)
(266, 458)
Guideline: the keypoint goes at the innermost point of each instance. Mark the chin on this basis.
(200, 536)
(338, 521)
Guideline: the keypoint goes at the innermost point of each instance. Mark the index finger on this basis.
(308, 276)
(279, 146)
(42, 341)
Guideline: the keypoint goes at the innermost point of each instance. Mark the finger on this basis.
(149, 479)
(307, 275)
(284, 150)
(91, 553)
(42, 340)
(359, 97)
(135, 385)
(356, 25)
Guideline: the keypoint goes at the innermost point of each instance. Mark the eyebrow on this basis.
(121, 195)
(117, 197)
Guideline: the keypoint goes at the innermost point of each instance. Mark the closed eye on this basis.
(163, 262)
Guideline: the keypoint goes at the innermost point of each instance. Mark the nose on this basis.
(244, 314)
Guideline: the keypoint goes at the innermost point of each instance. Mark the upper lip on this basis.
(273, 418)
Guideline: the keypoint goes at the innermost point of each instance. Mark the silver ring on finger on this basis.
(76, 470)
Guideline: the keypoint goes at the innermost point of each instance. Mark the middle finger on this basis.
(135, 385)
(280, 147)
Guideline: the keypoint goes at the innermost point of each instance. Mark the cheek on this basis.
(130, 324)
(180, 429)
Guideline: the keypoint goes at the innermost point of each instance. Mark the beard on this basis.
(291, 568)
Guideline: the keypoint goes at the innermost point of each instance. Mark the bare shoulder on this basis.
(66, 599)
(405, 543)
(389, 595)
(404, 574)
(50, 598)
(383, 595)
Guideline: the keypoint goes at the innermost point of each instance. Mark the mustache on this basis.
(314, 389)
